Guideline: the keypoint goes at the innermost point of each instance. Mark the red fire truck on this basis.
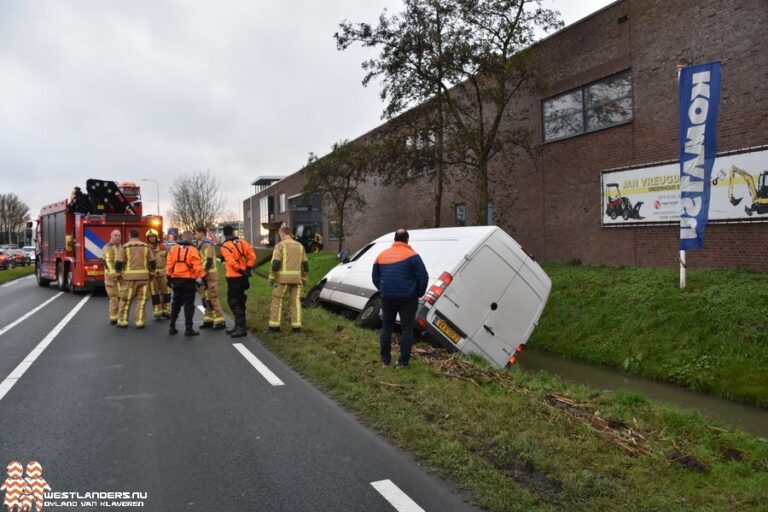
(72, 233)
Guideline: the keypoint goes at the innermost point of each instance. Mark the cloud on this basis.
(155, 88)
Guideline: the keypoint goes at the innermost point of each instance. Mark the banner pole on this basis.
(682, 252)
(682, 269)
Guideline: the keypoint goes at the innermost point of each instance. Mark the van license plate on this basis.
(447, 330)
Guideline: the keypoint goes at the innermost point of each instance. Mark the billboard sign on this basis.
(650, 194)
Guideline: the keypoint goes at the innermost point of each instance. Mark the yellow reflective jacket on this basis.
(289, 263)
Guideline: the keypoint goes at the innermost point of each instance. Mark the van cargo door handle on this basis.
(489, 330)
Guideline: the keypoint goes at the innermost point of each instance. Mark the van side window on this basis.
(360, 253)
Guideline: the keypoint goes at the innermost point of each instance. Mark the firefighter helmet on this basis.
(153, 232)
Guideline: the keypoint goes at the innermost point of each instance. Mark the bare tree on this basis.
(229, 217)
(14, 215)
(196, 199)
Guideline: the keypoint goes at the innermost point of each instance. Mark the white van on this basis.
(486, 293)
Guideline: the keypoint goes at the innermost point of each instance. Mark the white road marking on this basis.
(201, 308)
(10, 283)
(38, 308)
(260, 367)
(23, 366)
(396, 497)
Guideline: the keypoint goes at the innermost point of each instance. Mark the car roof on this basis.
(442, 233)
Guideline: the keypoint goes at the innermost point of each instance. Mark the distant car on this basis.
(22, 258)
(12, 258)
(29, 250)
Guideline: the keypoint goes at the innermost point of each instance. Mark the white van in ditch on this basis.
(486, 293)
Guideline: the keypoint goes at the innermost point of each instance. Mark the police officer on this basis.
(239, 258)
(214, 315)
(288, 274)
(184, 271)
(161, 298)
(111, 275)
(136, 263)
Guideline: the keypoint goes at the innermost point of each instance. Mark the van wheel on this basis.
(312, 299)
(369, 316)
(61, 280)
(41, 281)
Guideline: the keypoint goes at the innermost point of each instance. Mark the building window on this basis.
(461, 214)
(421, 150)
(333, 230)
(282, 203)
(607, 102)
(263, 217)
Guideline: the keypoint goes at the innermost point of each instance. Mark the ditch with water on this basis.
(742, 416)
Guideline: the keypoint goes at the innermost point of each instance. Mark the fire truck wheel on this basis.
(61, 280)
(70, 287)
(41, 281)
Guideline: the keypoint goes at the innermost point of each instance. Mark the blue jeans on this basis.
(390, 307)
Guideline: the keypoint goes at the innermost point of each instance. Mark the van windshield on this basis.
(359, 254)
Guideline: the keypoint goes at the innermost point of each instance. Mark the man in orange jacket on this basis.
(184, 271)
(239, 259)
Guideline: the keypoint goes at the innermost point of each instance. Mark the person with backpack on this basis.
(184, 271)
(238, 258)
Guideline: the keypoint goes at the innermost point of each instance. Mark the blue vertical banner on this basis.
(699, 103)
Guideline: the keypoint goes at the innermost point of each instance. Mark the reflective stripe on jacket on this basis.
(161, 257)
(184, 262)
(136, 258)
(208, 256)
(289, 263)
(109, 255)
(238, 256)
(400, 273)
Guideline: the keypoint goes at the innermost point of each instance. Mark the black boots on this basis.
(239, 332)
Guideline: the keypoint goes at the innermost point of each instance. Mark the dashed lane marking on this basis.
(260, 367)
(38, 308)
(397, 498)
(23, 366)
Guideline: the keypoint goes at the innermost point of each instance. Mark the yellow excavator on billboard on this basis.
(759, 191)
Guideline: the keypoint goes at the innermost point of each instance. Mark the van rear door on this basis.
(476, 285)
(496, 299)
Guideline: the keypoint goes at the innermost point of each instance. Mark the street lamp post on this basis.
(157, 184)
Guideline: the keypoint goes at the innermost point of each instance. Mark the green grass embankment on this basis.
(520, 441)
(712, 336)
(15, 273)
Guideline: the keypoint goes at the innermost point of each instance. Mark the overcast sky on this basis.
(136, 89)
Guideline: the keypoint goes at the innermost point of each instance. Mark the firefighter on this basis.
(214, 316)
(184, 271)
(136, 263)
(111, 275)
(161, 297)
(239, 259)
(78, 202)
(288, 274)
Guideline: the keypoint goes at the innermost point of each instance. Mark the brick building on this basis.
(552, 200)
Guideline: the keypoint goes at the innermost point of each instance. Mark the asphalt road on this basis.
(188, 421)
